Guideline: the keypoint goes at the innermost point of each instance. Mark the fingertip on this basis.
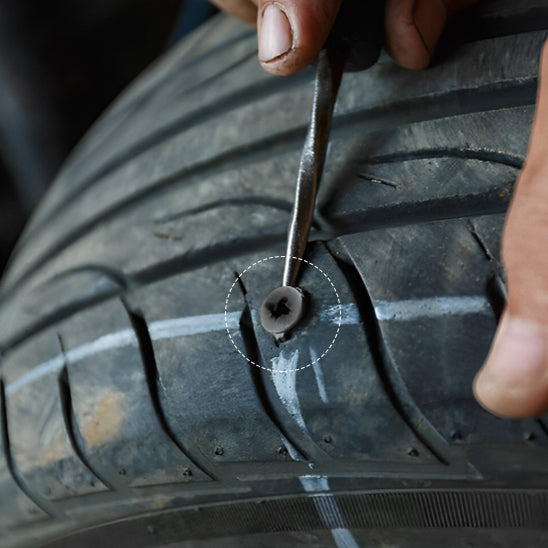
(292, 33)
(413, 28)
(275, 35)
(513, 383)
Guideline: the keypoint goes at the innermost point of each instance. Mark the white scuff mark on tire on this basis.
(318, 373)
(193, 325)
(432, 307)
(284, 377)
(118, 339)
(346, 314)
(328, 510)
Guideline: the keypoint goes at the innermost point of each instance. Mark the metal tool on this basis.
(354, 44)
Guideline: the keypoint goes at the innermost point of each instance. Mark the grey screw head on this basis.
(282, 309)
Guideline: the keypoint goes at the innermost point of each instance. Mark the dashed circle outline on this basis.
(308, 364)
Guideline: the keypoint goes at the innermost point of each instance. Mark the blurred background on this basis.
(62, 62)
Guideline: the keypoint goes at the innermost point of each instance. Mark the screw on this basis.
(327, 438)
(122, 472)
(282, 450)
(219, 450)
(187, 473)
(413, 452)
(282, 309)
(455, 435)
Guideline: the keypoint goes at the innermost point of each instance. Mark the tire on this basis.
(128, 413)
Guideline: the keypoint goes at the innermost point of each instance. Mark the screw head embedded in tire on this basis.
(282, 309)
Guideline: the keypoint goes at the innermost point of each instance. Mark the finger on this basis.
(246, 10)
(292, 33)
(413, 28)
(514, 380)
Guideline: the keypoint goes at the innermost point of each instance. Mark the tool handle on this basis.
(357, 35)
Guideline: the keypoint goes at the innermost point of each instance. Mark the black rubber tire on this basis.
(129, 416)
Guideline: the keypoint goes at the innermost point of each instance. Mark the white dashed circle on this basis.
(330, 344)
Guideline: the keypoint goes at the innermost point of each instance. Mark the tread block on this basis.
(118, 428)
(47, 299)
(16, 508)
(40, 438)
(436, 169)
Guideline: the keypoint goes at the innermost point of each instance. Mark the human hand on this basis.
(514, 379)
(291, 32)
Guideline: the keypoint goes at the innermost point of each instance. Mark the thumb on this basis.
(292, 33)
(514, 380)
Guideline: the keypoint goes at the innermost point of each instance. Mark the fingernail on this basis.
(275, 36)
(512, 381)
(429, 18)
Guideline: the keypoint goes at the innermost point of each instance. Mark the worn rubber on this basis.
(129, 414)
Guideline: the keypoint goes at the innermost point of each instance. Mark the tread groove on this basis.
(65, 397)
(485, 155)
(495, 287)
(542, 426)
(483, 246)
(253, 200)
(252, 350)
(151, 373)
(451, 207)
(405, 407)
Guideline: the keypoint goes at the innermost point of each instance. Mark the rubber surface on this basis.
(128, 411)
